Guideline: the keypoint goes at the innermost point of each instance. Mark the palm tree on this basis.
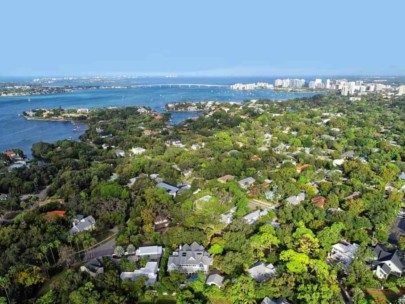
(56, 245)
(44, 250)
(50, 246)
(5, 283)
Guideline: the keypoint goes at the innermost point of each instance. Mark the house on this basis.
(190, 259)
(119, 153)
(270, 195)
(296, 199)
(175, 143)
(338, 162)
(200, 202)
(281, 148)
(267, 300)
(3, 197)
(387, 262)
(402, 176)
(343, 254)
(226, 218)
(10, 154)
(215, 279)
(246, 183)
(348, 155)
(256, 157)
(254, 216)
(142, 110)
(150, 253)
(161, 223)
(226, 178)
(81, 223)
(56, 213)
(275, 223)
(17, 165)
(138, 151)
(302, 168)
(187, 173)
(319, 201)
(195, 147)
(172, 190)
(262, 271)
(93, 267)
(149, 271)
(147, 132)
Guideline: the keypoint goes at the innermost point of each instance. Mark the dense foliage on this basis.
(287, 147)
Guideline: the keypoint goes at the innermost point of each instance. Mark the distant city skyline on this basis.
(210, 38)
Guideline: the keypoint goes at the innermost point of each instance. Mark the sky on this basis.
(202, 38)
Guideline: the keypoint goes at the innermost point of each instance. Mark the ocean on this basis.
(16, 132)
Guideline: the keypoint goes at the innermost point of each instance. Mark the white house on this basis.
(190, 259)
(226, 218)
(254, 216)
(246, 183)
(343, 253)
(296, 199)
(138, 151)
(149, 271)
(151, 253)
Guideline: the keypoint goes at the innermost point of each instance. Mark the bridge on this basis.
(179, 85)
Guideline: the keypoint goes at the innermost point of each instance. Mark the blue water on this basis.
(16, 132)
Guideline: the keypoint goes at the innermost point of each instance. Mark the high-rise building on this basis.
(401, 90)
(278, 83)
(327, 85)
(345, 90)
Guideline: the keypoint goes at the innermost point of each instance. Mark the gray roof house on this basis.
(215, 279)
(151, 253)
(402, 176)
(190, 259)
(93, 267)
(262, 271)
(149, 271)
(296, 200)
(81, 223)
(387, 262)
(172, 190)
(254, 216)
(246, 182)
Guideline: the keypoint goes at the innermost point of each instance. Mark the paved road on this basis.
(106, 248)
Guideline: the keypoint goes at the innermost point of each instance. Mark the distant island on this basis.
(29, 90)
(189, 106)
(58, 114)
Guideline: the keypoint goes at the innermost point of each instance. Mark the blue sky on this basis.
(202, 38)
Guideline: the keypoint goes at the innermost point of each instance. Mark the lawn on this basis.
(382, 296)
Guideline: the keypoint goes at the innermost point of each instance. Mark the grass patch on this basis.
(382, 296)
(160, 300)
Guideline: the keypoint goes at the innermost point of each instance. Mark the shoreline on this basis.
(48, 119)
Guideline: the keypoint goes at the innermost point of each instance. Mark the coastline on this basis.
(48, 119)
